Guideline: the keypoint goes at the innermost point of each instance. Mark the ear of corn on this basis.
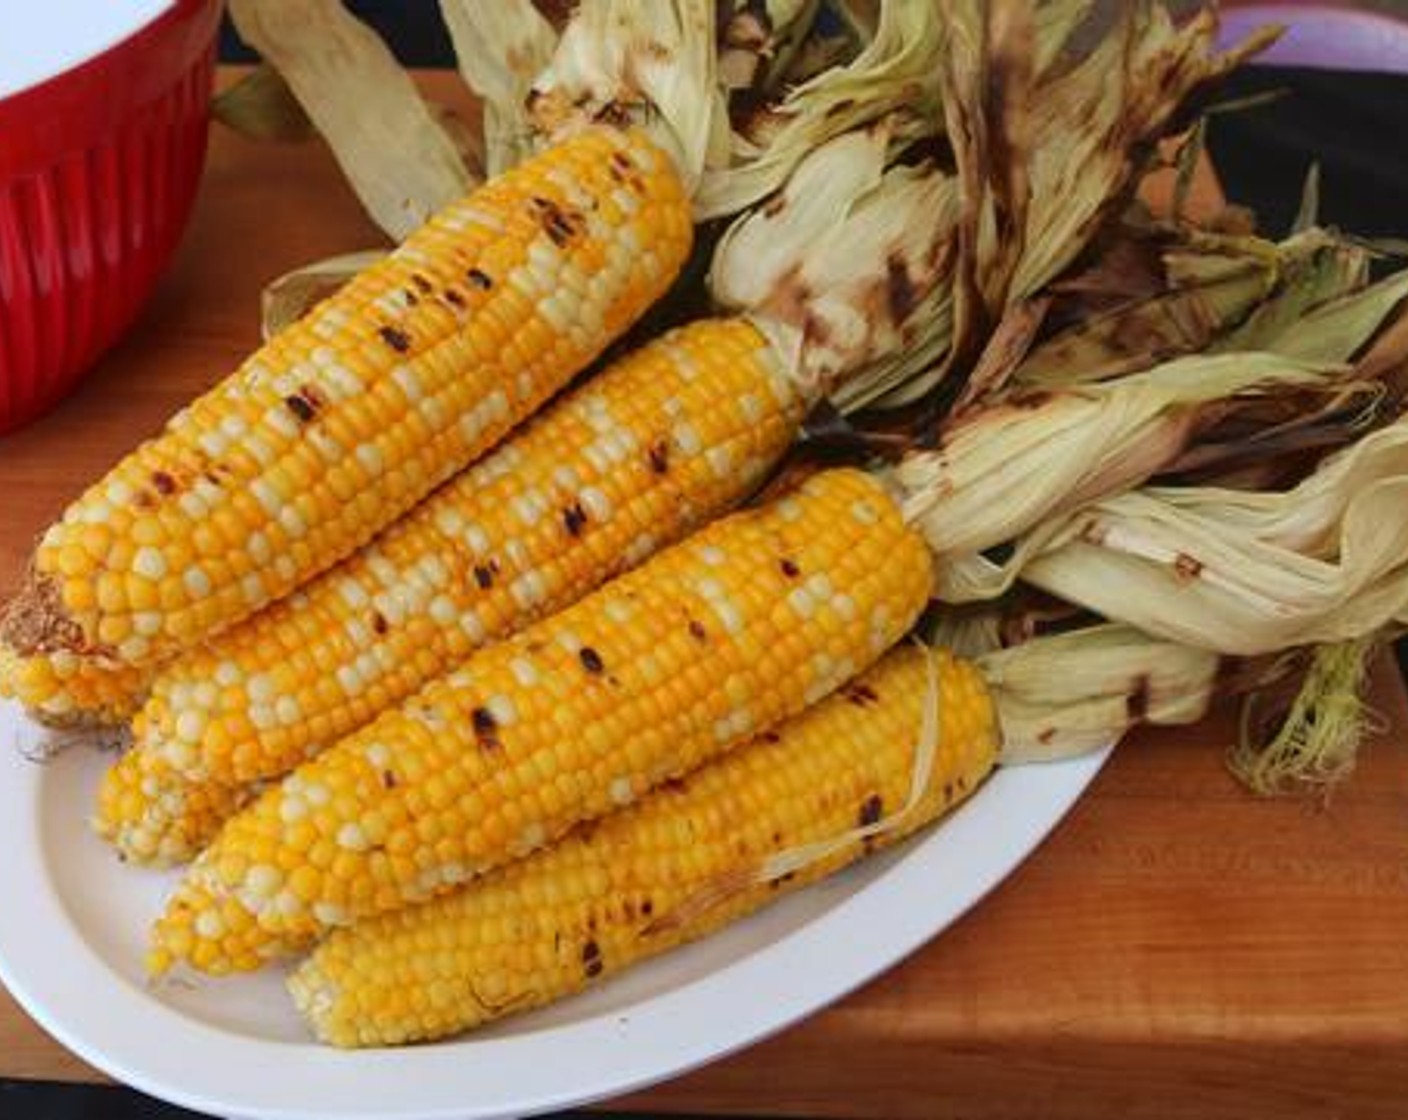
(685, 861)
(669, 436)
(745, 624)
(66, 691)
(346, 419)
(157, 817)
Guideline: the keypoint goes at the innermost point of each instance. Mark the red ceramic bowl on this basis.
(98, 168)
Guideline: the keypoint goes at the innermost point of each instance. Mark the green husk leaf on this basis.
(1329, 270)
(1315, 743)
(501, 47)
(1335, 331)
(1243, 572)
(262, 107)
(294, 294)
(397, 157)
(1067, 694)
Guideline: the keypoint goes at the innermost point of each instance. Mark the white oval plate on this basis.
(73, 922)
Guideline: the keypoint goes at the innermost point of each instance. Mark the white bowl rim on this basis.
(50, 39)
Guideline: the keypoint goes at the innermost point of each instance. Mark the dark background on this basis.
(1354, 125)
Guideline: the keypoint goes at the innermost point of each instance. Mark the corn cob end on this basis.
(157, 817)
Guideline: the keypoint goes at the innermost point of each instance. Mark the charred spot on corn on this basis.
(697, 631)
(425, 286)
(560, 224)
(484, 574)
(574, 519)
(388, 779)
(479, 279)
(303, 408)
(379, 623)
(395, 338)
(861, 694)
(164, 483)
(591, 959)
(453, 298)
(486, 728)
(789, 568)
(660, 456)
(870, 810)
(591, 661)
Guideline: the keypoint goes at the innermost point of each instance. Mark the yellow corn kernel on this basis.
(68, 692)
(682, 863)
(838, 561)
(389, 378)
(664, 439)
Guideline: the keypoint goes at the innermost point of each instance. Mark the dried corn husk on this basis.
(295, 293)
(1007, 468)
(1067, 694)
(363, 103)
(896, 75)
(501, 47)
(651, 61)
(818, 271)
(1245, 573)
(1044, 159)
(761, 39)
(1336, 330)
(1213, 286)
(261, 106)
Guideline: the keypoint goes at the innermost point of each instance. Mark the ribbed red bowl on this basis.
(98, 168)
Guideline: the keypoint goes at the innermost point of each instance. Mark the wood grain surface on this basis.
(1176, 949)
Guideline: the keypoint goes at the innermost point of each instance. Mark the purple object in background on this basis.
(1323, 36)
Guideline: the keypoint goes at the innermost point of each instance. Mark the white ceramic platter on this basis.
(73, 921)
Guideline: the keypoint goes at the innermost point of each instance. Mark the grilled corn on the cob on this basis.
(348, 418)
(831, 785)
(667, 437)
(745, 624)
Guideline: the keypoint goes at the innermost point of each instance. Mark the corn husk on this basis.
(364, 104)
(846, 272)
(894, 76)
(295, 293)
(1335, 330)
(1240, 572)
(1068, 694)
(1220, 294)
(1045, 159)
(653, 62)
(760, 41)
(262, 107)
(1008, 468)
(501, 48)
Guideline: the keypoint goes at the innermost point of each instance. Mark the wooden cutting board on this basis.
(1176, 949)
